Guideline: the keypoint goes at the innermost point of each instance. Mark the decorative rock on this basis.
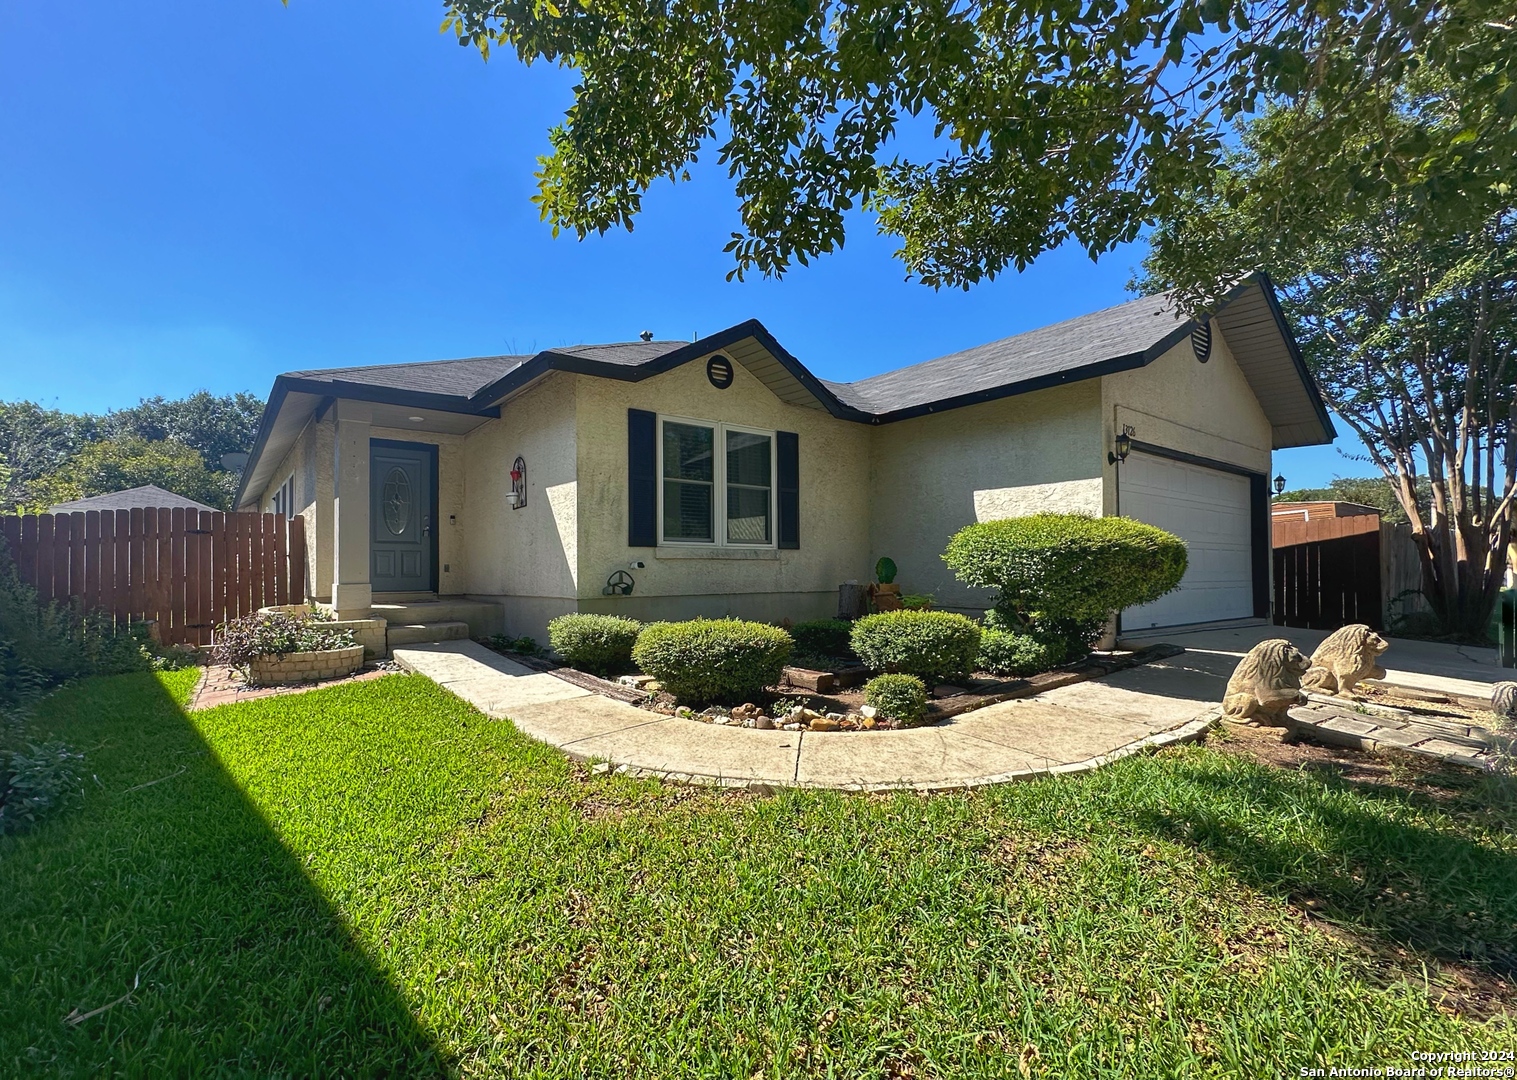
(764, 723)
(1344, 658)
(1504, 700)
(792, 727)
(1266, 683)
(746, 711)
(806, 715)
(823, 723)
(868, 710)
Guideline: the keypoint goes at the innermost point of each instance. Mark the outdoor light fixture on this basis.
(1123, 447)
(1279, 484)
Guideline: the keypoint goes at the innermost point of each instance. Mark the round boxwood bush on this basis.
(902, 698)
(599, 644)
(1006, 652)
(932, 645)
(822, 637)
(1067, 566)
(713, 660)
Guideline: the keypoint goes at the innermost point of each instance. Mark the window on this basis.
(283, 502)
(716, 484)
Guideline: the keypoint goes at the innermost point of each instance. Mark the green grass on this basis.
(375, 879)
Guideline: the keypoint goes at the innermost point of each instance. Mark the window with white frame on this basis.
(716, 484)
(283, 502)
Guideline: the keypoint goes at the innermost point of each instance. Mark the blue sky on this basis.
(194, 199)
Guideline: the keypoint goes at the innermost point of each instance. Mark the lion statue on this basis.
(1345, 657)
(1266, 683)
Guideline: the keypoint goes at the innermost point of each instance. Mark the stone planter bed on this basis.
(304, 667)
(839, 707)
(842, 709)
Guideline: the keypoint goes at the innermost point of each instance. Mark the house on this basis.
(667, 479)
(145, 496)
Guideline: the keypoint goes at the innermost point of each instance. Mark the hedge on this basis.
(713, 660)
(599, 644)
(1067, 566)
(823, 637)
(902, 698)
(933, 645)
(1005, 652)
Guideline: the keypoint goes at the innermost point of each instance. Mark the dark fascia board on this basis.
(328, 392)
(550, 360)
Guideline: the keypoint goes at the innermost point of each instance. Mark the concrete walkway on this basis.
(1070, 729)
(1462, 670)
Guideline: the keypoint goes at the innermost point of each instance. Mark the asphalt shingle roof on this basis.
(1063, 347)
(1050, 350)
(144, 496)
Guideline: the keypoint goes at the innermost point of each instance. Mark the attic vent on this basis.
(1200, 341)
(646, 335)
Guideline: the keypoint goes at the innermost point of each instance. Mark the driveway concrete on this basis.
(1465, 670)
(1069, 729)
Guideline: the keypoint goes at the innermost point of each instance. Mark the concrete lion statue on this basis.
(1266, 683)
(1345, 657)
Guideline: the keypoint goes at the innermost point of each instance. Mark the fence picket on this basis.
(43, 574)
(92, 560)
(107, 595)
(297, 562)
(63, 529)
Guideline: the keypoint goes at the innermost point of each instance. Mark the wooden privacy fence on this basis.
(185, 570)
(1327, 570)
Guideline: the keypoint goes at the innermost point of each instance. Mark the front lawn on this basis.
(377, 879)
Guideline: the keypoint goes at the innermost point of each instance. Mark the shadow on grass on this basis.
(164, 896)
(1377, 861)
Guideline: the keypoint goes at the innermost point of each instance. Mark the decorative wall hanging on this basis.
(518, 496)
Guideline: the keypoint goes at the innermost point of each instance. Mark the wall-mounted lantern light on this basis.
(1279, 484)
(1122, 447)
(516, 498)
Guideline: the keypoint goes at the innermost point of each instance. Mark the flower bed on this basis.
(283, 647)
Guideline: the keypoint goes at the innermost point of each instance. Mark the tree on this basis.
(132, 461)
(214, 426)
(36, 443)
(39, 445)
(1409, 325)
(1051, 120)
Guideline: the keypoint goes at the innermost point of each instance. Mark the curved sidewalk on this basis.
(1069, 729)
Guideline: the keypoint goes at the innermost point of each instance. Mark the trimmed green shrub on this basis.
(1071, 638)
(902, 698)
(1067, 566)
(823, 637)
(933, 645)
(713, 660)
(599, 644)
(1006, 652)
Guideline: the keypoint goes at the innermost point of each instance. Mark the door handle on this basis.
(426, 525)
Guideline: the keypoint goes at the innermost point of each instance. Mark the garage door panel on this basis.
(1208, 509)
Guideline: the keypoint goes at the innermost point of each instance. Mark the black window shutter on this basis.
(642, 479)
(788, 453)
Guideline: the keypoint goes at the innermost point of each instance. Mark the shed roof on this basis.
(145, 496)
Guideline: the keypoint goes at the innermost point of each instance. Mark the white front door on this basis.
(1210, 511)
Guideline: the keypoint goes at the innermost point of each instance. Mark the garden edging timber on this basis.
(1062, 730)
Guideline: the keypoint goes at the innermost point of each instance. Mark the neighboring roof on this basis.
(1121, 338)
(145, 496)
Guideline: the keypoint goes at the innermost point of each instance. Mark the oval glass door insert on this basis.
(397, 501)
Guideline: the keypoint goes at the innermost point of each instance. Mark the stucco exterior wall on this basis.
(309, 460)
(684, 581)
(935, 474)
(525, 557)
(1208, 410)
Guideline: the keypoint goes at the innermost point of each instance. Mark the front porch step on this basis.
(483, 617)
(424, 633)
